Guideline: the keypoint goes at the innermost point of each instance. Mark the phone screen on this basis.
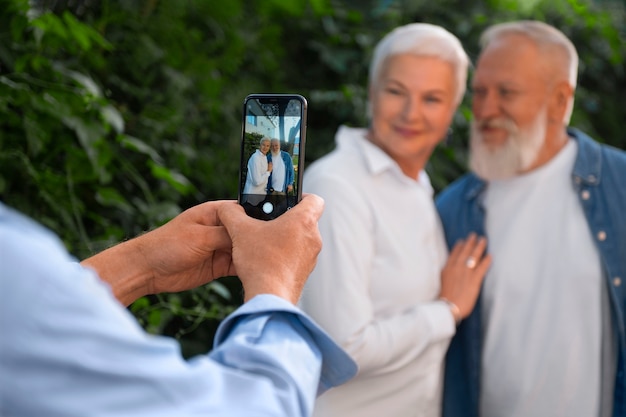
(272, 153)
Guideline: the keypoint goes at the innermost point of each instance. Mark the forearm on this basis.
(123, 268)
(386, 344)
(148, 372)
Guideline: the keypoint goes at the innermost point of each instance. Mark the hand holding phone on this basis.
(272, 153)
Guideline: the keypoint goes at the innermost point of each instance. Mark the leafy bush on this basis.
(116, 115)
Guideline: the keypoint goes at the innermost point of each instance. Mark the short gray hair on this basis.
(553, 45)
(422, 39)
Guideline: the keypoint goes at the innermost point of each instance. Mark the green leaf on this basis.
(89, 134)
(140, 304)
(80, 33)
(220, 289)
(113, 118)
(36, 135)
(82, 79)
(110, 197)
(154, 318)
(161, 212)
(175, 179)
(321, 7)
(139, 145)
(51, 24)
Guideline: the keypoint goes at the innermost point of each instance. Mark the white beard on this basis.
(515, 156)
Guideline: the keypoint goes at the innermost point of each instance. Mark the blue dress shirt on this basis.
(69, 348)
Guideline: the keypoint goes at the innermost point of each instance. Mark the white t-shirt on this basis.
(376, 281)
(541, 304)
(278, 172)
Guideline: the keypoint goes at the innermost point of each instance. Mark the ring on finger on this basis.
(470, 262)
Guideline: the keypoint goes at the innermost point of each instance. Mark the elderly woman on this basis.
(259, 170)
(382, 287)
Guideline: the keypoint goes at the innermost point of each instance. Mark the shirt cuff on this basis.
(441, 319)
(337, 366)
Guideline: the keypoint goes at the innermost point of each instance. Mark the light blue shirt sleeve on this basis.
(69, 348)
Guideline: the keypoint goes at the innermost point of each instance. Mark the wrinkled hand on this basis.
(276, 256)
(213, 240)
(464, 272)
(190, 250)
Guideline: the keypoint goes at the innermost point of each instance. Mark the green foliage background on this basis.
(115, 115)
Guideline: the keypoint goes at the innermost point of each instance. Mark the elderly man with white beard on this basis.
(547, 335)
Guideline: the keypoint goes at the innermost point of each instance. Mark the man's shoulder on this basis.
(19, 231)
(614, 154)
(34, 259)
(596, 156)
(613, 168)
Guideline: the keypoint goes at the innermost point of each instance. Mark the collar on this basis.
(588, 165)
(475, 186)
(376, 160)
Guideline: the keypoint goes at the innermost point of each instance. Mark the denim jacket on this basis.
(599, 178)
(289, 171)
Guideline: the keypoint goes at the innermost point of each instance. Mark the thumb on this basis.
(310, 203)
(232, 216)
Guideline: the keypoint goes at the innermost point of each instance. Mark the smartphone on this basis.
(272, 153)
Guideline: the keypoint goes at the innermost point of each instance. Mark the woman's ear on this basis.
(370, 99)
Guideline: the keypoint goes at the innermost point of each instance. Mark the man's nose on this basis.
(486, 106)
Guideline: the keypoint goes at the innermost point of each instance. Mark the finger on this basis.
(315, 202)
(206, 213)
(482, 267)
(467, 248)
(479, 247)
(456, 250)
(476, 253)
(310, 205)
(223, 264)
(214, 237)
(233, 216)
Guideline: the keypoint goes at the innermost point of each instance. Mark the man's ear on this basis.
(561, 95)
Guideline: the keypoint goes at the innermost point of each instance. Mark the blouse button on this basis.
(585, 195)
(617, 281)
(601, 235)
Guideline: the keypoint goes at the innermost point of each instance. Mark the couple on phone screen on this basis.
(270, 177)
